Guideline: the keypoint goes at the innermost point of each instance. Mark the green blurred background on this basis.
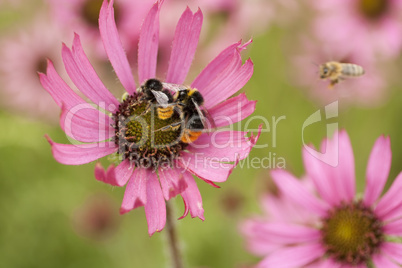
(43, 203)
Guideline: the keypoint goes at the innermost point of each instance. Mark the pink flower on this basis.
(97, 217)
(81, 16)
(210, 157)
(23, 55)
(367, 27)
(247, 18)
(326, 225)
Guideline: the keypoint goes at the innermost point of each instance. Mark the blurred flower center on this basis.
(41, 65)
(373, 9)
(217, 18)
(352, 233)
(144, 138)
(96, 218)
(90, 11)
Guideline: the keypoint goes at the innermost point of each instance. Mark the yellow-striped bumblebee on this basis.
(155, 93)
(188, 101)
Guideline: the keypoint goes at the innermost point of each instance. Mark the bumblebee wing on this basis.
(210, 119)
(173, 87)
(202, 116)
(161, 98)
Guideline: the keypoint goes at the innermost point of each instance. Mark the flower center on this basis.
(90, 11)
(373, 9)
(352, 233)
(143, 136)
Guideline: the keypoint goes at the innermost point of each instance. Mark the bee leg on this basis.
(333, 83)
(172, 126)
(147, 109)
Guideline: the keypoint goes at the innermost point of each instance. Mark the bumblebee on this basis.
(155, 93)
(188, 101)
(336, 71)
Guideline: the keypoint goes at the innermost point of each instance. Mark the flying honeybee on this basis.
(188, 100)
(336, 71)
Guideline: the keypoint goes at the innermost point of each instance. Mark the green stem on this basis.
(172, 237)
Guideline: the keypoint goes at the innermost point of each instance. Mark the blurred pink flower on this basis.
(23, 55)
(369, 28)
(369, 89)
(97, 217)
(81, 16)
(235, 17)
(10, 3)
(225, 21)
(325, 225)
(223, 77)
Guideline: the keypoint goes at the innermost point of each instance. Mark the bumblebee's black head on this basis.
(182, 95)
(196, 96)
(187, 98)
(153, 84)
(189, 95)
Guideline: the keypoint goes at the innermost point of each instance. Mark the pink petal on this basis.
(394, 228)
(114, 176)
(78, 154)
(155, 207)
(390, 204)
(230, 83)
(224, 76)
(224, 146)
(327, 263)
(323, 182)
(204, 168)
(345, 171)
(216, 66)
(284, 210)
(294, 190)
(256, 243)
(378, 168)
(148, 44)
(113, 46)
(286, 233)
(341, 178)
(62, 94)
(85, 123)
(382, 261)
(232, 111)
(192, 198)
(292, 257)
(184, 45)
(85, 78)
(135, 194)
(172, 182)
(393, 250)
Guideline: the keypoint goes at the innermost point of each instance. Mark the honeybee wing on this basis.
(161, 98)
